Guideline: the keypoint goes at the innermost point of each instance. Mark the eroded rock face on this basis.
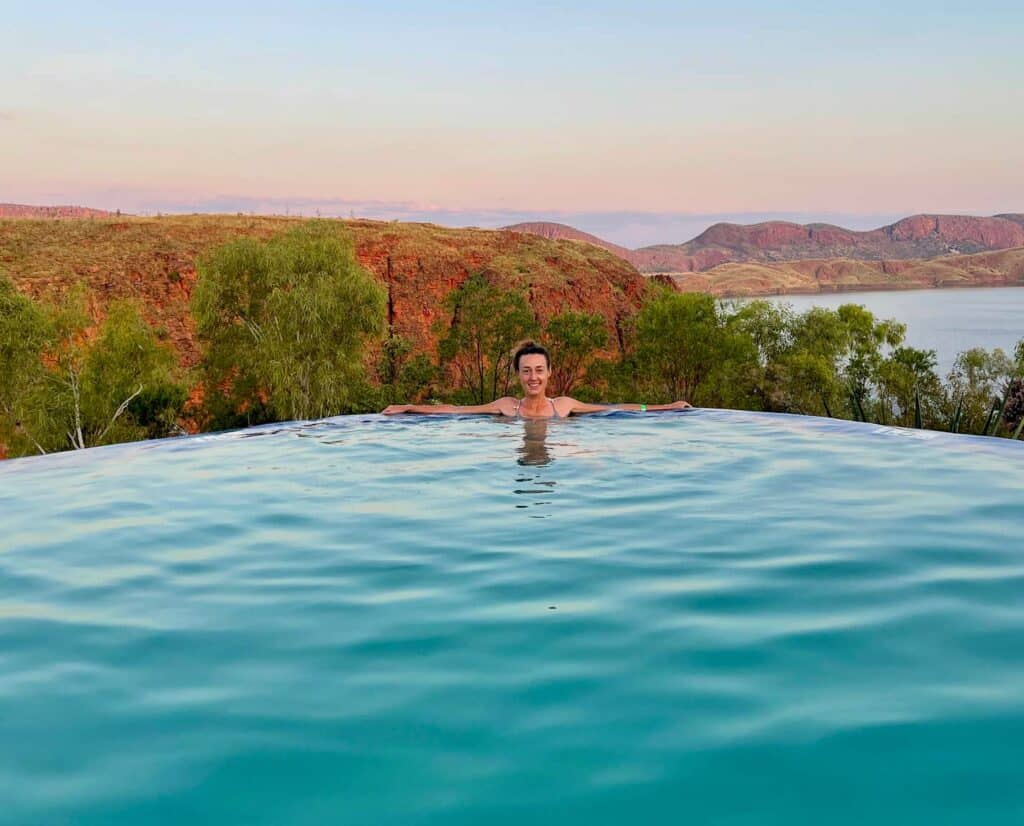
(421, 264)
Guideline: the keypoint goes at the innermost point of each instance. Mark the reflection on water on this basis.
(534, 453)
(535, 448)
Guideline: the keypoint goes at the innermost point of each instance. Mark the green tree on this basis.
(25, 333)
(688, 345)
(762, 334)
(677, 343)
(121, 386)
(402, 375)
(283, 324)
(573, 339)
(978, 381)
(907, 382)
(64, 388)
(487, 322)
(832, 359)
(865, 339)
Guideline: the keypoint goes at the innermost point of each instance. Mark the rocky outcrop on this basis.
(52, 212)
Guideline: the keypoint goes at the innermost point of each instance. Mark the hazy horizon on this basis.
(628, 229)
(641, 125)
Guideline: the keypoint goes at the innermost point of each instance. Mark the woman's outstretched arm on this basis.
(567, 405)
(500, 407)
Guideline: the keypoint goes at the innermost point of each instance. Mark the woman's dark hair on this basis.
(530, 348)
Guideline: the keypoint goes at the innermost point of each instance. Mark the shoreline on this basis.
(831, 289)
(843, 289)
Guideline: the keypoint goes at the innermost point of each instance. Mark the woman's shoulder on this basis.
(506, 405)
(563, 404)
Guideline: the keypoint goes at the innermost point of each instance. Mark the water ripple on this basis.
(724, 618)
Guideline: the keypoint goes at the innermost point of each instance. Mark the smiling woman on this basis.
(533, 366)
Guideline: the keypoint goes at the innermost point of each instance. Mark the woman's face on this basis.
(533, 374)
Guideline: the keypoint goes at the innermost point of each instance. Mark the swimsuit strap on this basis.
(554, 410)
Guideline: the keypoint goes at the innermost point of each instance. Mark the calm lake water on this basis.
(700, 617)
(947, 321)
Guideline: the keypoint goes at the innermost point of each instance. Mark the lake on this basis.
(947, 321)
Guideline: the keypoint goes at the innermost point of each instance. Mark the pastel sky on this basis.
(638, 120)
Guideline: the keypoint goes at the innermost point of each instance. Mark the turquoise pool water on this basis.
(704, 617)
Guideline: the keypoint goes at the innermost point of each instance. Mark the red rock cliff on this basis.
(153, 260)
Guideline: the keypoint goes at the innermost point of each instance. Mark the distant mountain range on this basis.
(999, 268)
(918, 237)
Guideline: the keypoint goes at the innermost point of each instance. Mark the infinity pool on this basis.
(705, 617)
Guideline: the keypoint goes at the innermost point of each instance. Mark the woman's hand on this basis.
(392, 409)
(679, 405)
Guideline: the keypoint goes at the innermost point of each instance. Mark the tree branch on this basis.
(121, 408)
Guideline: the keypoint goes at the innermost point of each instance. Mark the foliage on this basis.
(486, 324)
(681, 340)
(404, 376)
(25, 332)
(126, 366)
(288, 324)
(283, 324)
(62, 388)
(907, 384)
(760, 355)
(573, 340)
(829, 362)
(864, 339)
(978, 378)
